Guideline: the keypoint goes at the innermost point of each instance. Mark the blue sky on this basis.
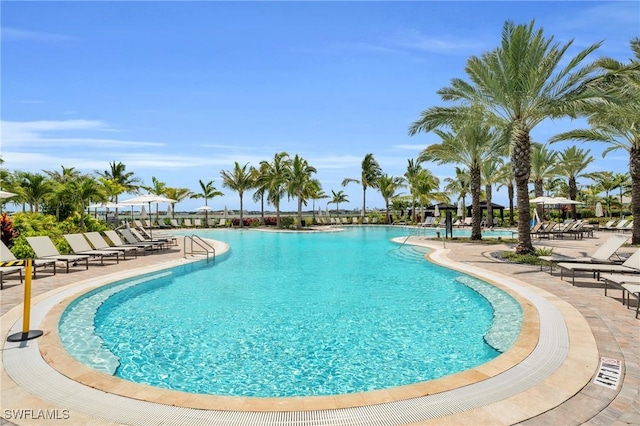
(182, 90)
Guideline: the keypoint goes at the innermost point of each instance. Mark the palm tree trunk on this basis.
(510, 195)
(241, 208)
(262, 209)
(364, 201)
(538, 191)
(489, 206)
(299, 224)
(278, 215)
(573, 192)
(521, 166)
(476, 214)
(634, 171)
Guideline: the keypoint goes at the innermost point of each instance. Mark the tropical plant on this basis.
(489, 174)
(337, 198)
(81, 192)
(124, 181)
(158, 188)
(239, 180)
(521, 83)
(176, 194)
(272, 178)
(371, 172)
(207, 190)
(471, 142)
(616, 122)
(35, 188)
(543, 167)
(571, 164)
(459, 185)
(504, 178)
(300, 184)
(7, 232)
(388, 187)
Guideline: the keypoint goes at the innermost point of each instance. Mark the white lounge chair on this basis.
(130, 238)
(80, 245)
(6, 270)
(99, 243)
(7, 257)
(187, 223)
(603, 255)
(117, 242)
(44, 249)
(630, 266)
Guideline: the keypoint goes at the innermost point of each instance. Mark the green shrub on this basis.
(286, 221)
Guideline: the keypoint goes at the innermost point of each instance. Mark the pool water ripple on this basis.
(291, 315)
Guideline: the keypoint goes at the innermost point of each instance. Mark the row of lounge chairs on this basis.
(618, 225)
(574, 228)
(606, 265)
(85, 247)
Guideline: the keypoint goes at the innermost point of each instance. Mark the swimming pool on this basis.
(291, 314)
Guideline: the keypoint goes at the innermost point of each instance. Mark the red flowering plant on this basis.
(7, 233)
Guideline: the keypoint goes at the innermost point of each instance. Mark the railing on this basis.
(204, 247)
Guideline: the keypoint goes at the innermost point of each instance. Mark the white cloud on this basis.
(415, 40)
(410, 147)
(9, 34)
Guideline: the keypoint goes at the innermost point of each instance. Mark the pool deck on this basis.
(597, 326)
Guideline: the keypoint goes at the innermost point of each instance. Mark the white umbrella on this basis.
(206, 209)
(436, 212)
(149, 198)
(460, 211)
(5, 194)
(564, 200)
(599, 212)
(169, 210)
(143, 212)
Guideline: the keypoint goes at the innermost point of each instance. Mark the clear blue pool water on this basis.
(288, 314)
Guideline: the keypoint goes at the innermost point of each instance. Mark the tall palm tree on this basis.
(543, 167)
(504, 178)
(388, 187)
(59, 197)
(571, 164)
(177, 194)
(424, 187)
(157, 187)
(118, 173)
(317, 194)
(35, 189)
(521, 83)
(337, 198)
(489, 173)
(207, 190)
(239, 180)
(616, 123)
(459, 185)
(604, 182)
(471, 142)
(82, 191)
(300, 184)
(273, 176)
(371, 172)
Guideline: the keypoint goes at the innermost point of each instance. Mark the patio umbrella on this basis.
(206, 210)
(169, 210)
(460, 211)
(143, 212)
(149, 199)
(5, 194)
(436, 211)
(599, 212)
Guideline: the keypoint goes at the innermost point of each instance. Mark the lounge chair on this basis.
(174, 223)
(6, 270)
(629, 284)
(222, 223)
(44, 249)
(117, 242)
(130, 238)
(162, 240)
(630, 266)
(428, 221)
(602, 255)
(187, 223)
(197, 223)
(622, 223)
(80, 245)
(6, 256)
(99, 243)
(365, 221)
(354, 220)
(146, 235)
(467, 221)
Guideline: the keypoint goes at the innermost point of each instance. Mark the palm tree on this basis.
(273, 177)
(126, 180)
(239, 180)
(318, 194)
(616, 123)
(300, 184)
(472, 143)
(207, 191)
(35, 189)
(371, 171)
(489, 172)
(388, 187)
(571, 163)
(59, 197)
(543, 167)
(81, 192)
(177, 194)
(459, 185)
(523, 82)
(424, 187)
(337, 198)
(504, 178)
(604, 181)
